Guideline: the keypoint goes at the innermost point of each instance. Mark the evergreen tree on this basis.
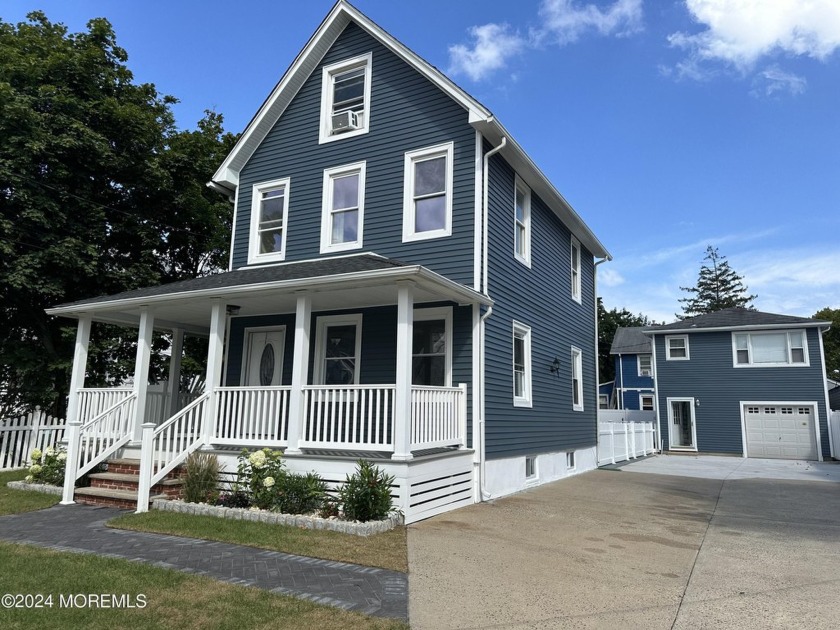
(831, 341)
(718, 287)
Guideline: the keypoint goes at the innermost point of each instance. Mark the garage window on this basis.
(770, 349)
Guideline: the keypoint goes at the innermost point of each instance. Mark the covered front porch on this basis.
(373, 362)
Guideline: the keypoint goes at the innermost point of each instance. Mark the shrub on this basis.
(366, 494)
(201, 478)
(261, 472)
(234, 499)
(300, 494)
(47, 466)
(329, 507)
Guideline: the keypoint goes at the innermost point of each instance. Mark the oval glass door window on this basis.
(267, 365)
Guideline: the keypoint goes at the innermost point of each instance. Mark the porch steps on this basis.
(118, 486)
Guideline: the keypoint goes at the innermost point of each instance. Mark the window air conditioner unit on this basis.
(345, 121)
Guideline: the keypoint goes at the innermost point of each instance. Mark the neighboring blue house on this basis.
(633, 386)
(404, 285)
(743, 382)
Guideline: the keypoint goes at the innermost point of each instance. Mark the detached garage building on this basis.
(742, 382)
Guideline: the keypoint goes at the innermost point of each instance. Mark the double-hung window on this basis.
(575, 265)
(521, 365)
(269, 219)
(645, 367)
(577, 379)
(427, 193)
(338, 347)
(676, 348)
(770, 349)
(522, 223)
(431, 358)
(342, 216)
(345, 99)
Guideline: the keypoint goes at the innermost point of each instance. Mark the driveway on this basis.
(610, 549)
(717, 467)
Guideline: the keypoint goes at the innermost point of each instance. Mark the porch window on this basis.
(345, 99)
(338, 343)
(676, 348)
(770, 349)
(431, 361)
(427, 193)
(342, 216)
(269, 218)
(575, 265)
(577, 379)
(521, 365)
(522, 223)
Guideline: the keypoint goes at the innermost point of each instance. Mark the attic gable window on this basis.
(427, 193)
(575, 265)
(269, 219)
(345, 99)
(522, 223)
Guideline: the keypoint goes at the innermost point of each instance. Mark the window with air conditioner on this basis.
(345, 99)
(645, 367)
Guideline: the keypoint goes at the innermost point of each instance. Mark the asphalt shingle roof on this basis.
(630, 340)
(735, 317)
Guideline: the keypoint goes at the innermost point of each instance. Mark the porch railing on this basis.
(252, 415)
(352, 417)
(438, 416)
(106, 432)
(94, 400)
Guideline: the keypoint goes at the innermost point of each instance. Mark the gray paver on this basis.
(81, 528)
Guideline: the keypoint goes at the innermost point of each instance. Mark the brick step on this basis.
(124, 499)
(124, 466)
(125, 481)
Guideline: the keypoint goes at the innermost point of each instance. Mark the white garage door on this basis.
(781, 431)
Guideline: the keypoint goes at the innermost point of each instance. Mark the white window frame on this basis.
(254, 255)
(668, 356)
(535, 472)
(330, 175)
(570, 460)
(327, 94)
(651, 398)
(446, 150)
(641, 371)
(525, 256)
(444, 313)
(788, 348)
(575, 269)
(321, 325)
(524, 332)
(577, 376)
(603, 401)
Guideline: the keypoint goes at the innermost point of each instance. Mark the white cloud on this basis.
(740, 32)
(492, 46)
(609, 277)
(773, 79)
(567, 20)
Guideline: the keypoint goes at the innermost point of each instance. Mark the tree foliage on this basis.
(718, 287)
(608, 323)
(99, 193)
(831, 341)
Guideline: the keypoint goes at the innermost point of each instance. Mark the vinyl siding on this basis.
(709, 376)
(407, 112)
(539, 297)
(627, 367)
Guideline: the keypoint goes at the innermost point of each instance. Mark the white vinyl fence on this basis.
(20, 436)
(620, 441)
(834, 427)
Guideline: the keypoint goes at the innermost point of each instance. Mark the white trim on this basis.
(788, 348)
(233, 228)
(831, 446)
(671, 446)
(639, 364)
(327, 211)
(656, 394)
(411, 158)
(782, 403)
(246, 347)
(570, 459)
(668, 356)
(534, 478)
(254, 255)
(321, 325)
(577, 370)
(327, 73)
(744, 328)
(652, 402)
(479, 210)
(525, 257)
(575, 263)
(444, 313)
(524, 332)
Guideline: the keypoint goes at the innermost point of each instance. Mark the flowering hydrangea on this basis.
(49, 451)
(36, 455)
(35, 468)
(62, 456)
(29, 479)
(268, 482)
(47, 466)
(257, 459)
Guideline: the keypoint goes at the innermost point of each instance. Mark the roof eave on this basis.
(684, 331)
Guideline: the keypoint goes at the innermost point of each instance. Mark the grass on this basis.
(387, 550)
(16, 501)
(173, 599)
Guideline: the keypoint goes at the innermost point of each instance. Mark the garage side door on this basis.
(780, 431)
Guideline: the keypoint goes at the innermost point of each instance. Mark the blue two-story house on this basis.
(405, 285)
(633, 385)
(742, 382)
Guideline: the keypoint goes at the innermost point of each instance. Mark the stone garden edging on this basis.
(35, 487)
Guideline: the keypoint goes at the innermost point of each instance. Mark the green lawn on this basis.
(15, 501)
(387, 550)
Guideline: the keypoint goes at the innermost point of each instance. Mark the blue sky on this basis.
(668, 125)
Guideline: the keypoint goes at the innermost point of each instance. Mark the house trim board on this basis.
(691, 400)
(831, 447)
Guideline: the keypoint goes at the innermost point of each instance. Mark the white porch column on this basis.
(300, 370)
(77, 381)
(402, 396)
(215, 356)
(175, 371)
(141, 371)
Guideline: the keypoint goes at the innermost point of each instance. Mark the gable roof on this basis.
(736, 317)
(630, 340)
(342, 13)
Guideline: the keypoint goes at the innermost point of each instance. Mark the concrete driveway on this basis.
(613, 549)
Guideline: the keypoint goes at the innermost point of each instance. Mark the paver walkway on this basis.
(81, 528)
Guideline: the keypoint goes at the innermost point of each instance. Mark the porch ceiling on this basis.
(333, 284)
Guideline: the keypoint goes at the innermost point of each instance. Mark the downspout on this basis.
(832, 447)
(621, 389)
(597, 354)
(483, 494)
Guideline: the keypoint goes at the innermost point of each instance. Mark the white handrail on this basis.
(101, 436)
(352, 417)
(438, 416)
(252, 415)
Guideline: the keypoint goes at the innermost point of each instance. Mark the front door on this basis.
(263, 361)
(681, 420)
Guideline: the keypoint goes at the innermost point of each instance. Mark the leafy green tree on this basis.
(831, 341)
(718, 287)
(99, 193)
(608, 323)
